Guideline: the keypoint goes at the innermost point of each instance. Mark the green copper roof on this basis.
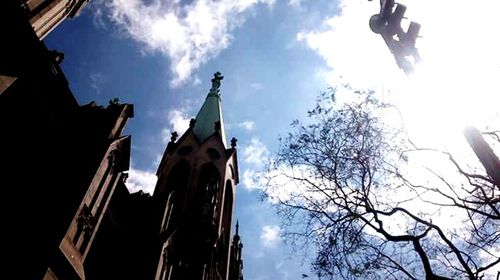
(210, 113)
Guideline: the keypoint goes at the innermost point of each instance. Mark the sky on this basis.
(276, 56)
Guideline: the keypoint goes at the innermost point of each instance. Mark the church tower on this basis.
(197, 180)
(236, 261)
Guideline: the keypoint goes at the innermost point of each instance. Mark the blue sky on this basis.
(275, 57)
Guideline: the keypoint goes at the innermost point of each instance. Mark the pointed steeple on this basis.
(236, 257)
(209, 118)
(236, 237)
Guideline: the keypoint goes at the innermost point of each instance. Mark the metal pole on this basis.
(484, 152)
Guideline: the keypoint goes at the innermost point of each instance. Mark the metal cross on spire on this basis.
(216, 81)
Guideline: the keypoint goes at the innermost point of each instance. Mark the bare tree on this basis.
(343, 185)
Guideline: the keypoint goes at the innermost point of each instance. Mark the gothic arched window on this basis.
(208, 189)
(177, 181)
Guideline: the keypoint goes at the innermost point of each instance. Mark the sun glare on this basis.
(457, 83)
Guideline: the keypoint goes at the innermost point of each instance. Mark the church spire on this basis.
(236, 257)
(236, 237)
(196, 187)
(209, 118)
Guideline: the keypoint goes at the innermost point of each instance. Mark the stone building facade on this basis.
(67, 211)
(45, 15)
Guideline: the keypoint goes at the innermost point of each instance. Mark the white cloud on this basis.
(98, 16)
(96, 81)
(349, 48)
(248, 125)
(257, 86)
(248, 179)
(157, 160)
(270, 235)
(280, 184)
(141, 180)
(189, 34)
(256, 153)
(178, 121)
(294, 3)
(196, 81)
